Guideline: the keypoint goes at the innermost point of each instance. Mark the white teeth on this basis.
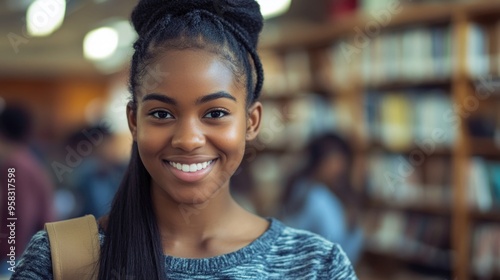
(190, 167)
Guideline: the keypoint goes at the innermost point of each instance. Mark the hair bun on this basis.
(243, 13)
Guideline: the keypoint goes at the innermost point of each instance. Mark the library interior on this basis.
(396, 97)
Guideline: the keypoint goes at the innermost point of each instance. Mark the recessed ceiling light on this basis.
(272, 8)
(100, 43)
(45, 16)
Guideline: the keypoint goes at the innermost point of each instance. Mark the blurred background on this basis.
(381, 126)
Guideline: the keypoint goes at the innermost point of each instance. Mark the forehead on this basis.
(189, 72)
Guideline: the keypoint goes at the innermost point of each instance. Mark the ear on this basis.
(253, 120)
(132, 119)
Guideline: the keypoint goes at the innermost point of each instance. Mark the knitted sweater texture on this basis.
(280, 252)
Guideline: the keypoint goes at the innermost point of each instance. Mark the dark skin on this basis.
(197, 114)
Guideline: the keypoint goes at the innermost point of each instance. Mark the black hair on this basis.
(15, 124)
(228, 28)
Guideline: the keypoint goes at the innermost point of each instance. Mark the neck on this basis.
(317, 178)
(193, 221)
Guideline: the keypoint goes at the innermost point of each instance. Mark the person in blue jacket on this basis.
(320, 198)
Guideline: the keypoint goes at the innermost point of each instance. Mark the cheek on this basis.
(231, 140)
(150, 139)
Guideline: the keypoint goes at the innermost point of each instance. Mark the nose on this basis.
(188, 136)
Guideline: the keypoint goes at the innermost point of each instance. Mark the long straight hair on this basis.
(132, 227)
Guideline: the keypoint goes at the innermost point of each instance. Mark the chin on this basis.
(196, 196)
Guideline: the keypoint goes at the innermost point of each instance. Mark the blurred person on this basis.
(319, 197)
(98, 176)
(33, 190)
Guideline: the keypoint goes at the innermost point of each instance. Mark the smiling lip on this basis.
(190, 170)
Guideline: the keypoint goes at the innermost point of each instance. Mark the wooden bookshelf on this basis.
(312, 35)
(459, 84)
(485, 147)
(424, 208)
(490, 216)
(309, 35)
(405, 84)
(373, 252)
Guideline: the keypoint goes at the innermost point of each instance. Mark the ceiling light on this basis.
(272, 8)
(100, 43)
(45, 16)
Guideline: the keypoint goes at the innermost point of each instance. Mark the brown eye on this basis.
(161, 115)
(216, 114)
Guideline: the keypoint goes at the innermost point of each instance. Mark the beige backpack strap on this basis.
(74, 246)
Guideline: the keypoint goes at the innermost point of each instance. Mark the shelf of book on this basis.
(313, 35)
(372, 146)
(442, 267)
(322, 34)
(485, 147)
(412, 91)
(415, 207)
(488, 216)
(443, 83)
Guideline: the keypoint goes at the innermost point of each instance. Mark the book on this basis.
(486, 250)
(477, 50)
(396, 121)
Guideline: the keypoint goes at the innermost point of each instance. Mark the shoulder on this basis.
(303, 241)
(313, 254)
(322, 193)
(36, 262)
(321, 200)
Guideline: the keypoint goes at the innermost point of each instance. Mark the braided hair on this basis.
(228, 28)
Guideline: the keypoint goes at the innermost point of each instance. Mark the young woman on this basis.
(195, 79)
(320, 198)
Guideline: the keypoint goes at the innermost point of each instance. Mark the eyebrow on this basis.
(214, 96)
(201, 100)
(159, 97)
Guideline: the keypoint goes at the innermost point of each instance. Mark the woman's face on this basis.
(333, 167)
(191, 125)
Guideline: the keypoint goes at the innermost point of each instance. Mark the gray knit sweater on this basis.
(280, 253)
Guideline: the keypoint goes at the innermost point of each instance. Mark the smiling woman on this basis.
(197, 115)
(195, 80)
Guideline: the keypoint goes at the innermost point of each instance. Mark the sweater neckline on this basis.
(256, 247)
